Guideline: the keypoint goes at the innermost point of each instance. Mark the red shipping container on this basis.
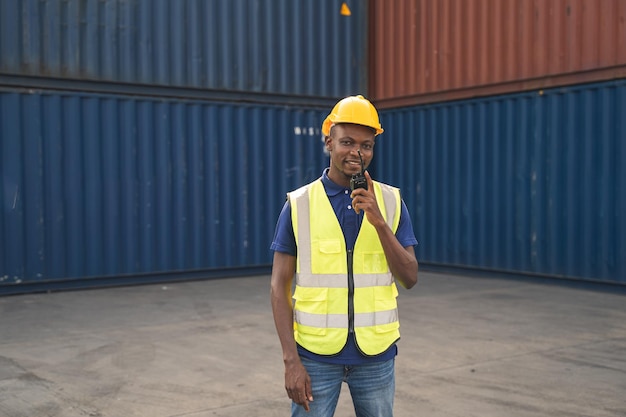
(437, 50)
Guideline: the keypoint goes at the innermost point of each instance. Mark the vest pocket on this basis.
(310, 297)
(386, 306)
(385, 297)
(386, 328)
(311, 309)
(374, 262)
(329, 246)
(327, 256)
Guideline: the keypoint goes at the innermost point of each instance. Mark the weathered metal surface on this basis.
(265, 46)
(100, 186)
(438, 50)
(530, 183)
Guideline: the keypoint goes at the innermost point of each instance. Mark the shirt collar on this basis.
(332, 188)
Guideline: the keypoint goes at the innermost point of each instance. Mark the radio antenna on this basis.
(361, 158)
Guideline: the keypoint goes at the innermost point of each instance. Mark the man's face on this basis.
(343, 144)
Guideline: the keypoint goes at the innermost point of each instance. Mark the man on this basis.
(346, 248)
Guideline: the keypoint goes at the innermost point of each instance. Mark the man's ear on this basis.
(328, 142)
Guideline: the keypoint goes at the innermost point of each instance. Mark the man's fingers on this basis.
(301, 398)
(370, 184)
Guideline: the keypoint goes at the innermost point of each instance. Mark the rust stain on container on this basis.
(426, 50)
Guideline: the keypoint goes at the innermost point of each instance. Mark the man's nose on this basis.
(356, 148)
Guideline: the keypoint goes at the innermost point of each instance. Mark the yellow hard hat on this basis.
(353, 109)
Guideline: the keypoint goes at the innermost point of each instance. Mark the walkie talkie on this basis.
(359, 180)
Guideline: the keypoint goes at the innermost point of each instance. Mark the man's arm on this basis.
(402, 261)
(297, 380)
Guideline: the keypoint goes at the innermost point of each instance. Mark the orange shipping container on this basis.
(437, 50)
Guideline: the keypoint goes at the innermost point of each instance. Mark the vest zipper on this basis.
(350, 292)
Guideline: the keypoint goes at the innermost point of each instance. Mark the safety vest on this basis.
(339, 291)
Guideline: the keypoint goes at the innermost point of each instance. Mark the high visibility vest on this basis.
(339, 291)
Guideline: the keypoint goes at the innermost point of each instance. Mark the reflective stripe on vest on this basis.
(330, 280)
(321, 294)
(340, 321)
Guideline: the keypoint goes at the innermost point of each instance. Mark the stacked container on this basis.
(262, 46)
(440, 50)
(154, 140)
(147, 140)
(505, 126)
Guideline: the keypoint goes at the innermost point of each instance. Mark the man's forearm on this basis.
(280, 295)
(283, 320)
(401, 260)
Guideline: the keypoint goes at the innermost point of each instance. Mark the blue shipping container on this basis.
(111, 188)
(304, 47)
(530, 183)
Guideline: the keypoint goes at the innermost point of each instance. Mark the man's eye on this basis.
(346, 143)
(367, 147)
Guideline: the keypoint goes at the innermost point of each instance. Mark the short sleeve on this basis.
(284, 239)
(405, 233)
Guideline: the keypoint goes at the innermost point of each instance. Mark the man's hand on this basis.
(297, 380)
(402, 261)
(298, 384)
(365, 200)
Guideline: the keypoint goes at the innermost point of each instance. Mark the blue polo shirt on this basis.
(285, 241)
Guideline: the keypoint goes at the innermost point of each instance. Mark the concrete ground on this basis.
(470, 346)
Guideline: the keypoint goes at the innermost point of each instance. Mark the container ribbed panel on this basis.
(437, 50)
(528, 183)
(113, 186)
(264, 46)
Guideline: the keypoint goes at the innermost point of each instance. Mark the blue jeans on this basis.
(372, 387)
